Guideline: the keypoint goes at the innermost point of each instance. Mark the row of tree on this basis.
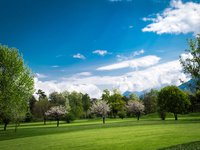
(17, 86)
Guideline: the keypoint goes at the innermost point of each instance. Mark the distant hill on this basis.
(188, 86)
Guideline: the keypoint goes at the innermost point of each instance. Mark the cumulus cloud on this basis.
(178, 18)
(135, 63)
(100, 52)
(60, 86)
(79, 56)
(152, 77)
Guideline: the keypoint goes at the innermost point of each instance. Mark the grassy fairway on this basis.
(91, 134)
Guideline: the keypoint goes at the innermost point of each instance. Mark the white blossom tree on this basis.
(56, 112)
(135, 107)
(101, 108)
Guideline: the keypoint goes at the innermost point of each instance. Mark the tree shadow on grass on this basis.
(38, 129)
(186, 146)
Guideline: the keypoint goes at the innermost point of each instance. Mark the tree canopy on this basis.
(16, 85)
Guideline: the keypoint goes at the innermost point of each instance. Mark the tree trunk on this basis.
(138, 116)
(57, 122)
(44, 120)
(5, 125)
(103, 120)
(175, 116)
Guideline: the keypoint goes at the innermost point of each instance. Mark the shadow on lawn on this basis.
(37, 129)
(186, 146)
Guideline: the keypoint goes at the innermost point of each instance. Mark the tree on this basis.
(56, 112)
(150, 101)
(16, 85)
(32, 102)
(86, 103)
(57, 99)
(135, 107)
(191, 61)
(101, 108)
(172, 99)
(75, 102)
(115, 102)
(41, 106)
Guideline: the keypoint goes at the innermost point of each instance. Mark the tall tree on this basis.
(32, 102)
(16, 85)
(42, 105)
(150, 101)
(191, 61)
(173, 100)
(75, 102)
(86, 103)
(115, 102)
(57, 99)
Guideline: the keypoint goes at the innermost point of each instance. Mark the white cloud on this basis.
(52, 85)
(79, 56)
(136, 53)
(131, 56)
(178, 18)
(39, 75)
(153, 77)
(83, 74)
(135, 63)
(100, 52)
(55, 66)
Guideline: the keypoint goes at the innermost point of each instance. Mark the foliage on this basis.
(101, 108)
(191, 63)
(172, 99)
(114, 100)
(121, 114)
(86, 103)
(41, 106)
(135, 107)
(75, 102)
(16, 85)
(56, 99)
(56, 112)
(150, 101)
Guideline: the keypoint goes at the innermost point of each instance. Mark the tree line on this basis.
(17, 100)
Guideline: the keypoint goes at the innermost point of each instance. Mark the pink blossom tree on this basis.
(56, 112)
(101, 108)
(135, 107)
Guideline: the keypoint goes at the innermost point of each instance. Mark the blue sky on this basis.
(73, 44)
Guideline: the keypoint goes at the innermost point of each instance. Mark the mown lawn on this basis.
(147, 134)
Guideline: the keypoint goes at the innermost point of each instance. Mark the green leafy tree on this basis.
(57, 99)
(172, 99)
(32, 102)
(116, 103)
(191, 61)
(41, 106)
(150, 101)
(16, 85)
(75, 102)
(86, 103)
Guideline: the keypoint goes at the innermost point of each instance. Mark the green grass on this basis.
(147, 134)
